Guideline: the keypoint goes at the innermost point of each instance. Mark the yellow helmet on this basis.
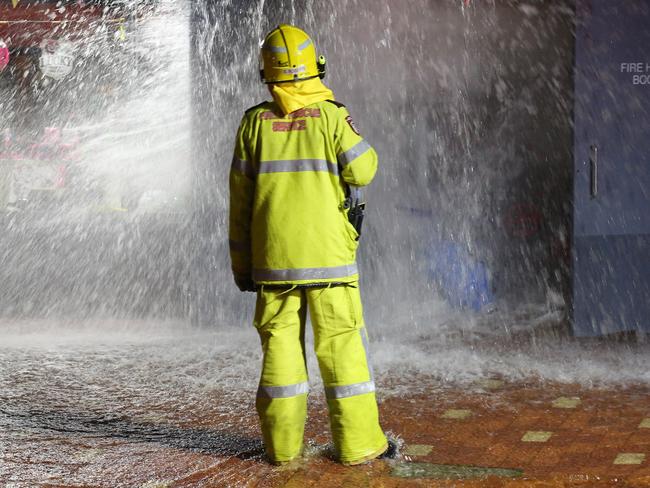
(289, 54)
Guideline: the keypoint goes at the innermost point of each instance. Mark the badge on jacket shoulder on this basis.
(352, 125)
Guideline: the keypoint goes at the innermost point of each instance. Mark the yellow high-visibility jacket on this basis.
(288, 224)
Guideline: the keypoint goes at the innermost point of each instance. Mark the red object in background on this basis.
(27, 24)
(50, 147)
(467, 3)
(4, 55)
(523, 220)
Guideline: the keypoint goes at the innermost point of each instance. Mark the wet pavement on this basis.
(144, 413)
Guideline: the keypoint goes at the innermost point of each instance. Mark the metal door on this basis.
(611, 235)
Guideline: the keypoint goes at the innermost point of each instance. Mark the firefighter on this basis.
(297, 160)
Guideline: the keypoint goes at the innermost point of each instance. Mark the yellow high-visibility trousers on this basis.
(341, 348)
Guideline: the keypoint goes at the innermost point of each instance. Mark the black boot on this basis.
(391, 452)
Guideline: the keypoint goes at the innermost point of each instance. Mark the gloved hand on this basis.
(244, 283)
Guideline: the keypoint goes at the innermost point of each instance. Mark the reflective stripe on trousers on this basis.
(341, 391)
(282, 391)
(346, 391)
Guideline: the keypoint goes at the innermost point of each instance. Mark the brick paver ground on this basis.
(541, 434)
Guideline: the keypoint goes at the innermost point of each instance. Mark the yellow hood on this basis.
(294, 96)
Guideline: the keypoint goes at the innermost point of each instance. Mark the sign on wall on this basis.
(57, 58)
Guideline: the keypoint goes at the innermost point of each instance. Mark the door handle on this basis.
(593, 166)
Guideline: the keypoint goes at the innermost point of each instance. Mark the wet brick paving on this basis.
(492, 434)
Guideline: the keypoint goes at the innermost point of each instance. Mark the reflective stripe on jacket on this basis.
(287, 221)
